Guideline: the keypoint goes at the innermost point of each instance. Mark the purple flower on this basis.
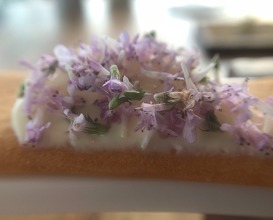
(234, 91)
(124, 38)
(149, 50)
(257, 137)
(116, 86)
(189, 130)
(127, 46)
(79, 123)
(34, 132)
(35, 92)
(249, 134)
(55, 101)
(48, 63)
(64, 55)
(236, 98)
(191, 58)
(98, 67)
(85, 76)
(95, 50)
(243, 111)
(166, 120)
(150, 118)
(173, 123)
(86, 82)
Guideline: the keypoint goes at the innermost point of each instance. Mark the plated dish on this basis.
(138, 93)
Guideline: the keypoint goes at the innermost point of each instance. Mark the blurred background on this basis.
(241, 32)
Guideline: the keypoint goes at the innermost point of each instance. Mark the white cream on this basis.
(57, 135)
(19, 120)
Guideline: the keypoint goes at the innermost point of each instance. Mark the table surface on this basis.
(26, 172)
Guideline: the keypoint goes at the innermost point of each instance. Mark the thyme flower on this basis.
(35, 132)
(104, 75)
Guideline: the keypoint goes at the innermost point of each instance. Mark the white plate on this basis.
(61, 195)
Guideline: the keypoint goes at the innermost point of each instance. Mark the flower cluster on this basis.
(142, 78)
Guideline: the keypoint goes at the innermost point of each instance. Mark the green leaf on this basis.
(95, 127)
(127, 96)
(162, 97)
(151, 34)
(52, 68)
(134, 94)
(21, 91)
(204, 79)
(168, 97)
(216, 60)
(114, 72)
(117, 101)
(211, 122)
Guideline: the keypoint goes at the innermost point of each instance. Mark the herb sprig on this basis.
(94, 127)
